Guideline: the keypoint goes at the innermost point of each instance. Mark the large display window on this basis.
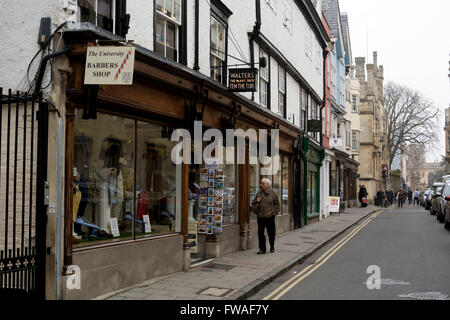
(124, 182)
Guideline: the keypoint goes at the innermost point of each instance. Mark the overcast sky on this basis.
(412, 38)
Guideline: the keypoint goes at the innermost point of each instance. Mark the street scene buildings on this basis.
(88, 182)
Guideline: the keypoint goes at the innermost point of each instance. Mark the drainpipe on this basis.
(59, 211)
(255, 33)
(197, 35)
(42, 68)
(325, 55)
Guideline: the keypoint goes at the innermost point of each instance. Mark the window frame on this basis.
(180, 36)
(283, 93)
(221, 18)
(268, 82)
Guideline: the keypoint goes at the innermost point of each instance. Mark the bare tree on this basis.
(412, 119)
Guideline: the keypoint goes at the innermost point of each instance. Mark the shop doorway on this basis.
(23, 189)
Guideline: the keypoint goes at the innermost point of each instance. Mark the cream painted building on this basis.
(373, 123)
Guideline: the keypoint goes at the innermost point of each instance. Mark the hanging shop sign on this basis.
(242, 80)
(109, 66)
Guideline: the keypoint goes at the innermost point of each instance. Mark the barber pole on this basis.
(123, 64)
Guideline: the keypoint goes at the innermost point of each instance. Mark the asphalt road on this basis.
(410, 247)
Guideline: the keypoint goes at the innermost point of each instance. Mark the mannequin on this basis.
(111, 182)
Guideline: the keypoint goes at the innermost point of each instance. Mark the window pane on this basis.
(254, 186)
(171, 52)
(87, 10)
(160, 36)
(104, 14)
(221, 41)
(214, 27)
(103, 178)
(178, 11)
(277, 180)
(263, 92)
(168, 8)
(160, 6)
(157, 181)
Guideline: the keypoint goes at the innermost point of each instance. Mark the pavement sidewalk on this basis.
(241, 274)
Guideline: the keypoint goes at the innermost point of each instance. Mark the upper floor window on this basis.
(333, 81)
(281, 91)
(341, 91)
(218, 54)
(264, 81)
(355, 103)
(303, 100)
(355, 141)
(219, 40)
(98, 12)
(167, 32)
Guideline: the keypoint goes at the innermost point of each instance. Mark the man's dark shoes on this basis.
(272, 250)
(261, 252)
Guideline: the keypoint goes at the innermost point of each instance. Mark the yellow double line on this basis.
(289, 284)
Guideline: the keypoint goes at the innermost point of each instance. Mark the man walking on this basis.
(400, 197)
(266, 206)
(410, 197)
(416, 197)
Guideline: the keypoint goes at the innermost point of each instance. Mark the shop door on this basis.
(23, 175)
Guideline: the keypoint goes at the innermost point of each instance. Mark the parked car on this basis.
(428, 197)
(447, 214)
(445, 193)
(434, 206)
(424, 197)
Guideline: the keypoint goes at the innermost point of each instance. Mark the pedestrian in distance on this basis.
(410, 194)
(400, 197)
(363, 196)
(266, 206)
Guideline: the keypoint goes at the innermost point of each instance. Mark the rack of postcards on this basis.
(210, 218)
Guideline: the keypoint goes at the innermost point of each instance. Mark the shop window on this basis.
(168, 24)
(279, 183)
(255, 181)
(281, 91)
(284, 196)
(108, 203)
(264, 81)
(157, 180)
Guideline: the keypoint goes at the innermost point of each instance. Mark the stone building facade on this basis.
(373, 150)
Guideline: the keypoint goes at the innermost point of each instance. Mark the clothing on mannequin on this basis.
(111, 183)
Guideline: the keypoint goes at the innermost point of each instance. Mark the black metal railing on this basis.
(22, 220)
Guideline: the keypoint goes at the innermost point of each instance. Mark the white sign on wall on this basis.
(336, 142)
(109, 65)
